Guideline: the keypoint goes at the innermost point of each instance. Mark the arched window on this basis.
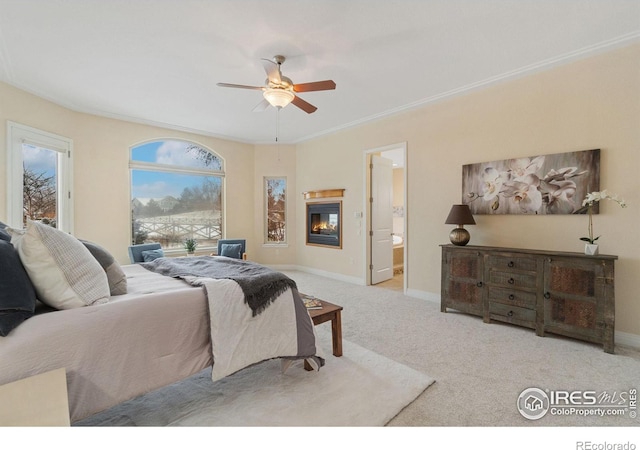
(176, 194)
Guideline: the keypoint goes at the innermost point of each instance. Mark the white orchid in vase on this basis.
(591, 199)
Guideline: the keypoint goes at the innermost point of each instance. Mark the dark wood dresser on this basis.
(569, 294)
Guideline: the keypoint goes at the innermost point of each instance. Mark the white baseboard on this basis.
(628, 339)
(424, 295)
(322, 273)
(280, 267)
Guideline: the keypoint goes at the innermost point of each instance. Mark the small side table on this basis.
(329, 312)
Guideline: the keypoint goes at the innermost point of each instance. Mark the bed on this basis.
(162, 330)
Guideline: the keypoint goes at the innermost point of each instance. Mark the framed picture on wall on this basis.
(544, 184)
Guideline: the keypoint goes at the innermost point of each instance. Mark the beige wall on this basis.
(275, 161)
(101, 174)
(398, 200)
(398, 187)
(587, 104)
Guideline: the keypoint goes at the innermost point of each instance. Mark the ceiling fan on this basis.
(279, 90)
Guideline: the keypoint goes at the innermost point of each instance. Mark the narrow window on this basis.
(276, 202)
(39, 178)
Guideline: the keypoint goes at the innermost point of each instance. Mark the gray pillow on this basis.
(150, 255)
(115, 276)
(231, 250)
(17, 294)
(64, 273)
(4, 236)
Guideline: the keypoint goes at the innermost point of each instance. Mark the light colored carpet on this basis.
(360, 388)
(480, 368)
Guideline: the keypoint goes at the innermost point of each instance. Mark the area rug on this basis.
(361, 388)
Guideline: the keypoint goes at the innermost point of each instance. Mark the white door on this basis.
(381, 219)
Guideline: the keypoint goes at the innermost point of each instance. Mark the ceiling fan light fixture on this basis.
(278, 98)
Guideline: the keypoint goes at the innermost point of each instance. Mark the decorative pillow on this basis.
(62, 270)
(231, 250)
(115, 276)
(17, 295)
(150, 255)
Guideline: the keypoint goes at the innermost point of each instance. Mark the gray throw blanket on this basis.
(259, 284)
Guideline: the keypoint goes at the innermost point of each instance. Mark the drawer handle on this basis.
(511, 296)
(511, 281)
(479, 284)
(511, 264)
(510, 314)
(547, 295)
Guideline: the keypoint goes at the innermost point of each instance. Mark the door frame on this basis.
(367, 210)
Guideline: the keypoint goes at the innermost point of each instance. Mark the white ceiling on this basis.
(158, 61)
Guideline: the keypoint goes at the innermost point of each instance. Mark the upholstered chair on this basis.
(232, 248)
(145, 252)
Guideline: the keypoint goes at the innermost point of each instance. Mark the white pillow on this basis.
(62, 270)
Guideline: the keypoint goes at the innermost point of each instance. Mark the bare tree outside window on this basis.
(275, 190)
(39, 185)
(39, 197)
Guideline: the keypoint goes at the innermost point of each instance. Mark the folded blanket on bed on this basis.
(259, 284)
(246, 332)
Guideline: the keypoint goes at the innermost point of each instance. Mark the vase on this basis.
(591, 249)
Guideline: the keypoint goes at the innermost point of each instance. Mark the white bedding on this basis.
(240, 339)
(155, 335)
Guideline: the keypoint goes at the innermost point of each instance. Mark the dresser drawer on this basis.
(512, 279)
(513, 314)
(564, 293)
(512, 297)
(508, 263)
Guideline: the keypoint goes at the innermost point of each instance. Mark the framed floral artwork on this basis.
(544, 184)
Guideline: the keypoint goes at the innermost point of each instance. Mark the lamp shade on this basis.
(460, 215)
(278, 97)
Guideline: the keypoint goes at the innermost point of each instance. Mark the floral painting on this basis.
(545, 184)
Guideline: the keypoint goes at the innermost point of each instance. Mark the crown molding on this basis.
(585, 52)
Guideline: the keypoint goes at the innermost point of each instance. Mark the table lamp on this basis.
(460, 215)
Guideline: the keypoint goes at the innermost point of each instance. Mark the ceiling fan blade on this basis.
(303, 105)
(273, 71)
(325, 85)
(264, 104)
(241, 86)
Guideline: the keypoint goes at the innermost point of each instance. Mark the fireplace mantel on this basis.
(323, 194)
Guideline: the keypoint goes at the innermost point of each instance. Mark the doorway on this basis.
(386, 214)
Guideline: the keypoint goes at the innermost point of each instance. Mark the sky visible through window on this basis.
(39, 160)
(151, 184)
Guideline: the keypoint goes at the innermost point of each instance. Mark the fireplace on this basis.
(324, 225)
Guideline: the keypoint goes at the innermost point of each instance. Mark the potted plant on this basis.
(591, 248)
(190, 246)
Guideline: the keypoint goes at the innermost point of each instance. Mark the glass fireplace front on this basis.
(323, 224)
